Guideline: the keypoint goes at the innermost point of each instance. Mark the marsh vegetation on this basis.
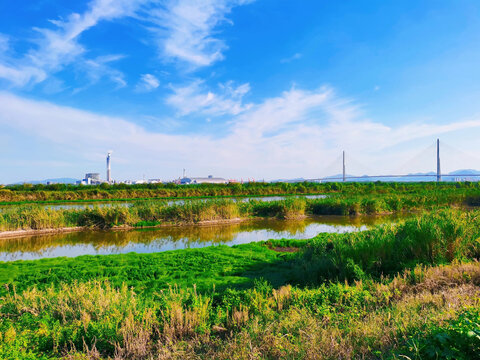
(161, 212)
(409, 289)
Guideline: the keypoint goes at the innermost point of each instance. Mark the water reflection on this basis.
(171, 238)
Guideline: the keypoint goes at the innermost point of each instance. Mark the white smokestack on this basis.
(109, 178)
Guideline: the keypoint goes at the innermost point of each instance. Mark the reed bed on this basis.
(158, 212)
(436, 238)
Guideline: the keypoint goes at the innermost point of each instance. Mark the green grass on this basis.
(410, 289)
(219, 266)
(425, 316)
(457, 338)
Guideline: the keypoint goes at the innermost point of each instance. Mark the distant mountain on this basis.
(462, 175)
(465, 172)
(297, 180)
(52, 181)
(339, 177)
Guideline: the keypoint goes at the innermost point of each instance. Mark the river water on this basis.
(177, 237)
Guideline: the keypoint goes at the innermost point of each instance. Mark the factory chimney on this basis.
(344, 174)
(109, 178)
(439, 173)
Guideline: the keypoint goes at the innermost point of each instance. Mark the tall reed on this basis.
(435, 238)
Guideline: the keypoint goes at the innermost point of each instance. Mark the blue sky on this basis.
(242, 89)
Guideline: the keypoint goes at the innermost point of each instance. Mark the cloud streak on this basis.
(294, 134)
(196, 98)
(185, 29)
(58, 47)
(148, 82)
(294, 57)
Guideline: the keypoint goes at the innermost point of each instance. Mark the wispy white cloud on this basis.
(53, 86)
(18, 74)
(148, 82)
(184, 30)
(99, 68)
(187, 29)
(58, 47)
(295, 134)
(295, 56)
(196, 98)
(4, 43)
(21, 75)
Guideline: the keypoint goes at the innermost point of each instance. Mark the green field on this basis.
(28, 193)
(408, 290)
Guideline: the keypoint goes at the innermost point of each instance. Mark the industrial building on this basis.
(94, 178)
(90, 179)
(202, 180)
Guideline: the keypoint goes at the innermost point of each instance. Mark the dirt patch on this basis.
(20, 233)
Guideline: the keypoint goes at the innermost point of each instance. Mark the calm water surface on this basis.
(181, 237)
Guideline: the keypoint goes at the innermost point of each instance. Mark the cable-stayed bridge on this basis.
(398, 176)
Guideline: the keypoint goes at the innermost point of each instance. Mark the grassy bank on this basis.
(411, 289)
(62, 192)
(436, 317)
(153, 213)
(431, 239)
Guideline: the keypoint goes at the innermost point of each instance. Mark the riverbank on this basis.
(166, 238)
(33, 232)
(22, 232)
(158, 213)
(385, 291)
